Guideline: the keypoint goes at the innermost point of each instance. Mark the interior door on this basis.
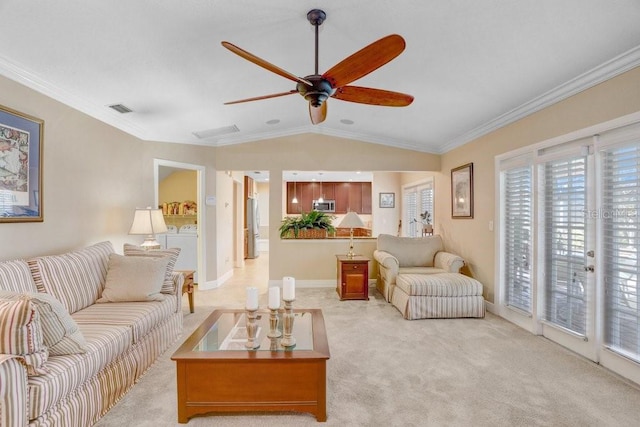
(568, 295)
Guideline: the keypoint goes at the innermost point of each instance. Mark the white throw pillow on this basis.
(134, 278)
(168, 287)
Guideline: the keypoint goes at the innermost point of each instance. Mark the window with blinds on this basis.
(565, 229)
(517, 221)
(418, 199)
(411, 213)
(426, 201)
(621, 245)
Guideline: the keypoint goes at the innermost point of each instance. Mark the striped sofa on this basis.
(423, 281)
(119, 340)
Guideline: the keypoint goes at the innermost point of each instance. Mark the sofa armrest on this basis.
(178, 281)
(13, 391)
(387, 260)
(449, 262)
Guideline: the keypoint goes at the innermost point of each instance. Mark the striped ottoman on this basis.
(440, 295)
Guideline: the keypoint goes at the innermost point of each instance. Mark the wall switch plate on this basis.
(490, 225)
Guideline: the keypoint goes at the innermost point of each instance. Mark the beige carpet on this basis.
(386, 371)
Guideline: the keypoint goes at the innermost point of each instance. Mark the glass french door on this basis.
(570, 245)
(416, 200)
(567, 299)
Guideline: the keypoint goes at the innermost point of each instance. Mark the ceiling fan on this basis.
(317, 88)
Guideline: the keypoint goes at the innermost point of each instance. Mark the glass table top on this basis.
(229, 333)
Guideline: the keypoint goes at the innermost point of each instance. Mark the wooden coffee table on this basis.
(216, 373)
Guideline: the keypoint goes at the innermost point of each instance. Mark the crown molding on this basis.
(603, 72)
(22, 75)
(599, 74)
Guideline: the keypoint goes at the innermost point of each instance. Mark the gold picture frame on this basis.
(462, 191)
(21, 139)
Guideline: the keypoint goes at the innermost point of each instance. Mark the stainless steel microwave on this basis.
(324, 206)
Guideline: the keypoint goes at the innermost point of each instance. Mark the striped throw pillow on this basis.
(60, 332)
(76, 278)
(168, 287)
(15, 276)
(21, 334)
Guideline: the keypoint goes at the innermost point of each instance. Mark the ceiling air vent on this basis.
(210, 133)
(120, 108)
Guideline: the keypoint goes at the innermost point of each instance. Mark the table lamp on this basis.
(148, 222)
(351, 221)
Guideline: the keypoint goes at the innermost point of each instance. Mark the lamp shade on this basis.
(351, 220)
(148, 221)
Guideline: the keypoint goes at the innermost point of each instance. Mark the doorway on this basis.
(184, 216)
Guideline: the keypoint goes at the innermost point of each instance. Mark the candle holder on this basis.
(288, 340)
(273, 324)
(252, 328)
(273, 343)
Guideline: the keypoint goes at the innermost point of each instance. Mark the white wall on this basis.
(94, 176)
(385, 220)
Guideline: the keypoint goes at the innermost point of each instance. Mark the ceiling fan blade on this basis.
(257, 98)
(264, 64)
(365, 60)
(318, 114)
(367, 95)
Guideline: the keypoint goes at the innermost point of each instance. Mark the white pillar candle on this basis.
(288, 288)
(252, 298)
(274, 297)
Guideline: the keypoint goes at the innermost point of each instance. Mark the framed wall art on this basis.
(21, 138)
(387, 200)
(462, 191)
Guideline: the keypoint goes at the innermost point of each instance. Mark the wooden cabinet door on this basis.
(366, 198)
(292, 189)
(355, 197)
(308, 192)
(341, 192)
(328, 190)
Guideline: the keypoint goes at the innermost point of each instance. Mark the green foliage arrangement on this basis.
(306, 221)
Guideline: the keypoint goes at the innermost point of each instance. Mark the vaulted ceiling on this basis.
(471, 65)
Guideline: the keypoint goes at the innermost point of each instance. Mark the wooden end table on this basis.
(353, 277)
(187, 286)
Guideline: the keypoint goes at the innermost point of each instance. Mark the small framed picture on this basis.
(387, 200)
(462, 191)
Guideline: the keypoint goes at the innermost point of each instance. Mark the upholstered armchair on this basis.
(411, 255)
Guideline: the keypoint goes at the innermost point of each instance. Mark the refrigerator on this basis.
(253, 225)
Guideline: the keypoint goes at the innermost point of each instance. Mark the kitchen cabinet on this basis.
(366, 198)
(349, 196)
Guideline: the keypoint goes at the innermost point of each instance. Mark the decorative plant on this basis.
(426, 217)
(310, 220)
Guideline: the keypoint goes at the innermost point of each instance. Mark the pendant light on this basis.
(321, 198)
(295, 188)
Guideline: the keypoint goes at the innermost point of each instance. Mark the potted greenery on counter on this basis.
(311, 225)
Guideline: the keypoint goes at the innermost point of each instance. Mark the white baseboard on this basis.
(307, 283)
(213, 284)
(490, 307)
(331, 283)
